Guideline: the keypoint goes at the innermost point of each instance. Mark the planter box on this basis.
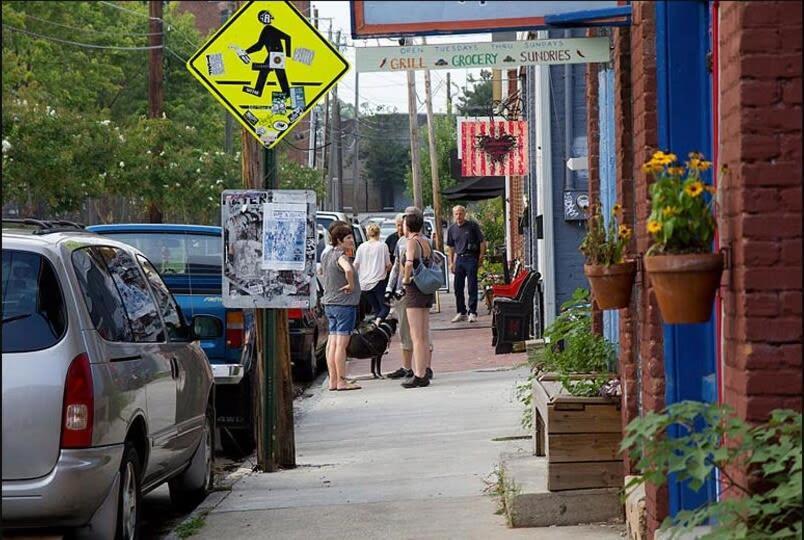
(579, 435)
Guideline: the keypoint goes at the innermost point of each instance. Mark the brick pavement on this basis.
(457, 347)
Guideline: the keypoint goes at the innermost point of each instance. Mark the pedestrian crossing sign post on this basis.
(268, 66)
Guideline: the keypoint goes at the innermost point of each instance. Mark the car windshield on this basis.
(34, 316)
(178, 253)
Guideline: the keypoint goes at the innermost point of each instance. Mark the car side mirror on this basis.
(207, 327)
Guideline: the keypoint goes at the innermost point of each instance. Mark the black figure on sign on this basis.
(277, 43)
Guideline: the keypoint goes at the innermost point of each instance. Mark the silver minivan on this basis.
(106, 391)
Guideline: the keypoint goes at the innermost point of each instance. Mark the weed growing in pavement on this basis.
(501, 487)
(191, 527)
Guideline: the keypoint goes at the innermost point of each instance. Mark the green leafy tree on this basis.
(446, 141)
(386, 158)
(476, 101)
(295, 176)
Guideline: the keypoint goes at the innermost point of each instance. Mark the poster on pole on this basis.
(268, 248)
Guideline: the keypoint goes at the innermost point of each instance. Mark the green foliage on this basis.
(490, 273)
(386, 160)
(573, 347)
(489, 214)
(605, 245)
(681, 219)
(711, 438)
(295, 176)
(476, 101)
(73, 117)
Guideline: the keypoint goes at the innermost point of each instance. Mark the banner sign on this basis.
(269, 244)
(383, 18)
(494, 148)
(499, 55)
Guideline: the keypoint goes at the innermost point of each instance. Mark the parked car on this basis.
(107, 393)
(387, 228)
(325, 219)
(189, 258)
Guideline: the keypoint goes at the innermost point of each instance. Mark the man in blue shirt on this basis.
(466, 248)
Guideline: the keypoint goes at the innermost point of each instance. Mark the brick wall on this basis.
(624, 158)
(648, 335)
(760, 219)
(593, 147)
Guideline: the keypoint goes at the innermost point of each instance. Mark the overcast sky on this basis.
(389, 88)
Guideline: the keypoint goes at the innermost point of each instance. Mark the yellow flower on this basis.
(669, 211)
(617, 210)
(694, 189)
(696, 155)
(711, 189)
(704, 165)
(694, 164)
(676, 171)
(654, 226)
(658, 154)
(625, 231)
(670, 158)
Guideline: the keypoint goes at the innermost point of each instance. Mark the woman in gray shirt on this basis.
(341, 297)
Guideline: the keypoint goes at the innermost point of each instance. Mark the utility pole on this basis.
(449, 95)
(325, 163)
(418, 199)
(156, 90)
(336, 171)
(228, 121)
(436, 181)
(356, 157)
(313, 114)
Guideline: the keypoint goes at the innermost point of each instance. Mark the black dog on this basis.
(370, 340)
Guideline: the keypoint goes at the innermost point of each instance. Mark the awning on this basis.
(476, 189)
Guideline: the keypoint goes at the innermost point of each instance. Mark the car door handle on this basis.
(174, 367)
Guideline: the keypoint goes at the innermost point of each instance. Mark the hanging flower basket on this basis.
(685, 285)
(611, 285)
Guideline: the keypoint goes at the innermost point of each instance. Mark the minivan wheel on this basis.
(128, 508)
(190, 487)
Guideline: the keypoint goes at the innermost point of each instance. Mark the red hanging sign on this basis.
(494, 148)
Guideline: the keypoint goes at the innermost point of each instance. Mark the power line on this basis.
(91, 30)
(169, 26)
(79, 44)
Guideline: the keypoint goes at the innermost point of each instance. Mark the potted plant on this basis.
(610, 276)
(684, 272)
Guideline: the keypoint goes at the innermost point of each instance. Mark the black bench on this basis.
(512, 317)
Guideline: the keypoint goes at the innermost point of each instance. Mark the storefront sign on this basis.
(383, 18)
(494, 148)
(499, 55)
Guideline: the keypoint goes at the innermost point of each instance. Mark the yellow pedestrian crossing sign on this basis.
(268, 66)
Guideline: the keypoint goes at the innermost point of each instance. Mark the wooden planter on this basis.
(579, 435)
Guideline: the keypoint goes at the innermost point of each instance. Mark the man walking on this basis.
(465, 248)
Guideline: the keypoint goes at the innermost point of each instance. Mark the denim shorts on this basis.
(342, 319)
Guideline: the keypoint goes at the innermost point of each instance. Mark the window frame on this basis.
(139, 259)
(61, 289)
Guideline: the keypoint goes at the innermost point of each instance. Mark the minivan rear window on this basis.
(177, 253)
(34, 315)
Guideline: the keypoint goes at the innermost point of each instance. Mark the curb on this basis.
(222, 490)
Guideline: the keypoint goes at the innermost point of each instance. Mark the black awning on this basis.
(476, 189)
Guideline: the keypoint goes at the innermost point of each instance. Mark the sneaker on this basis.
(472, 317)
(460, 317)
(400, 373)
(428, 374)
(416, 382)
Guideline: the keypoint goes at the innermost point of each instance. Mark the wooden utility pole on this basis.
(436, 181)
(337, 140)
(156, 91)
(327, 138)
(449, 95)
(356, 157)
(418, 199)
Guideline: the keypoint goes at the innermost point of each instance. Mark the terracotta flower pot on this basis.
(685, 285)
(611, 285)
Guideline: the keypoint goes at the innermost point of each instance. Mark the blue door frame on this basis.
(684, 111)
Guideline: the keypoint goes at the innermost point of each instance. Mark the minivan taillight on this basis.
(234, 329)
(79, 405)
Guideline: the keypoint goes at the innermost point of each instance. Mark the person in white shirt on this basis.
(372, 262)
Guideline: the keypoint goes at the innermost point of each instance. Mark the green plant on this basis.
(490, 216)
(490, 273)
(524, 389)
(191, 527)
(573, 347)
(500, 486)
(710, 437)
(605, 245)
(681, 219)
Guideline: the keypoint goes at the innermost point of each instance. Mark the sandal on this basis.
(351, 385)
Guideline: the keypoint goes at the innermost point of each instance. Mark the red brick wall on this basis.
(644, 135)
(593, 153)
(760, 218)
(625, 196)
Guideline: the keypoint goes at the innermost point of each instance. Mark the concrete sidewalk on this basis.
(386, 462)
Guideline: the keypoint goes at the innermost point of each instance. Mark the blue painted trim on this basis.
(155, 228)
(591, 17)
(684, 113)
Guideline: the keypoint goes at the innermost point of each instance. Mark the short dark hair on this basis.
(338, 231)
(414, 221)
